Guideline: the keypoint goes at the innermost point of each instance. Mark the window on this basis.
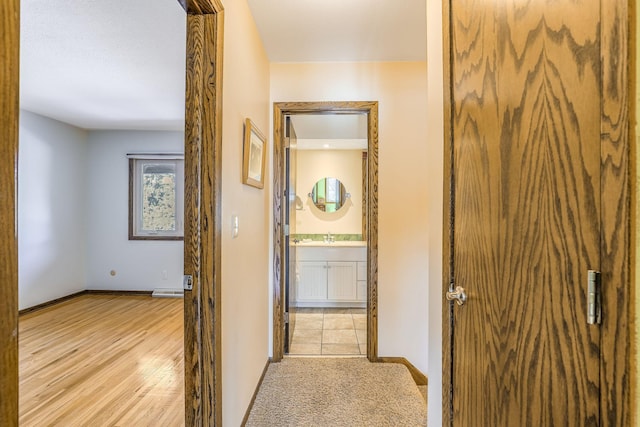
(156, 198)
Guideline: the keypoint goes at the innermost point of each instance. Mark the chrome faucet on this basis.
(329, 238)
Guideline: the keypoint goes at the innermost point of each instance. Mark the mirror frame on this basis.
(344, 195)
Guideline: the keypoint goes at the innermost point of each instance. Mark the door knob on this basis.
(458, 295)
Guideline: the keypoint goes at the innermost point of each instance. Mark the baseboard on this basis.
(50, 303)
(418, 377)
(116, 292)
(77, 294)
(255, 394)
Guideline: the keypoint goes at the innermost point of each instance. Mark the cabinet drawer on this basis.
(334, 253)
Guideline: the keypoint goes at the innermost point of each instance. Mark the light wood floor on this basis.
(103, 360)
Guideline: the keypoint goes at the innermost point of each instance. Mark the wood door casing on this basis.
(9, 101)
(280, 110)
(617, 223)
(202, 241)
(524, 132)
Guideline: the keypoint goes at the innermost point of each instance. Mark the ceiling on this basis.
(104, 63)
(110, 64)
(342, 30)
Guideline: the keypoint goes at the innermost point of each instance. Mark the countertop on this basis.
(339, 243)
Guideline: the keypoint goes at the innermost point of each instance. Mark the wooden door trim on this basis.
(280, 109)
(447, 218)
(203, 192)
(617, 378)
(9, 99)
(615, 221)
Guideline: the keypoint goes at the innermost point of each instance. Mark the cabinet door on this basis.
(362, 270)
(362, 290)
(341, 281)
(312, 281)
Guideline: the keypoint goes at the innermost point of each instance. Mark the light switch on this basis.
(235, 226)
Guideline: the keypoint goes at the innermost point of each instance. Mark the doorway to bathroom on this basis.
(325, 229)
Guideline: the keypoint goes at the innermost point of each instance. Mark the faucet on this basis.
(329, 238)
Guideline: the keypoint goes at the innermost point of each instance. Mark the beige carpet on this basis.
(337, 392)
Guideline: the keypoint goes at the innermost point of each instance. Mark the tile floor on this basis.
(330, 331)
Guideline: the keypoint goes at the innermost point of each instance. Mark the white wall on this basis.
(138, 264)
(434, 175)
(405, 195)
(51, 209)
(245, 259)
(313, 165)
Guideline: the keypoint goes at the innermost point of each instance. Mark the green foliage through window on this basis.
(159, 201)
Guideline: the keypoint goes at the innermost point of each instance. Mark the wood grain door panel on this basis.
(526, 167)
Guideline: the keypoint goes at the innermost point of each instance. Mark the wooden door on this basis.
(526, 208)
(290, 198)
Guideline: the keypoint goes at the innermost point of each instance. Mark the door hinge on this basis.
(285, 228)
(286, 317)
(594, 308)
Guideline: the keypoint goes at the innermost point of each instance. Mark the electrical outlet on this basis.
(165, 275)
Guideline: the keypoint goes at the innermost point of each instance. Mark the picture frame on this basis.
(254, 155)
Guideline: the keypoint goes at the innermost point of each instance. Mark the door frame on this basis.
(203, 143)
(10, 110)
(617, 378)
(202, 212)
(280, 110)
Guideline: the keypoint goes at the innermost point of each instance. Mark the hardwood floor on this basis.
(103, 360)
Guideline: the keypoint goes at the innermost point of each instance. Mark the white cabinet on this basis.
(341, 281)
(312, 282)
(331, 277)
(361, 284)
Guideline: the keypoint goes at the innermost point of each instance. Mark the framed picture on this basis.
(255, 153)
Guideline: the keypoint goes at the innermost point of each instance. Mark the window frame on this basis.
(136, 164)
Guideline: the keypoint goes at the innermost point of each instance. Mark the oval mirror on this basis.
(329, 194)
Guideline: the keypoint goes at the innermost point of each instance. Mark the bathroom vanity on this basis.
(331, 274)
